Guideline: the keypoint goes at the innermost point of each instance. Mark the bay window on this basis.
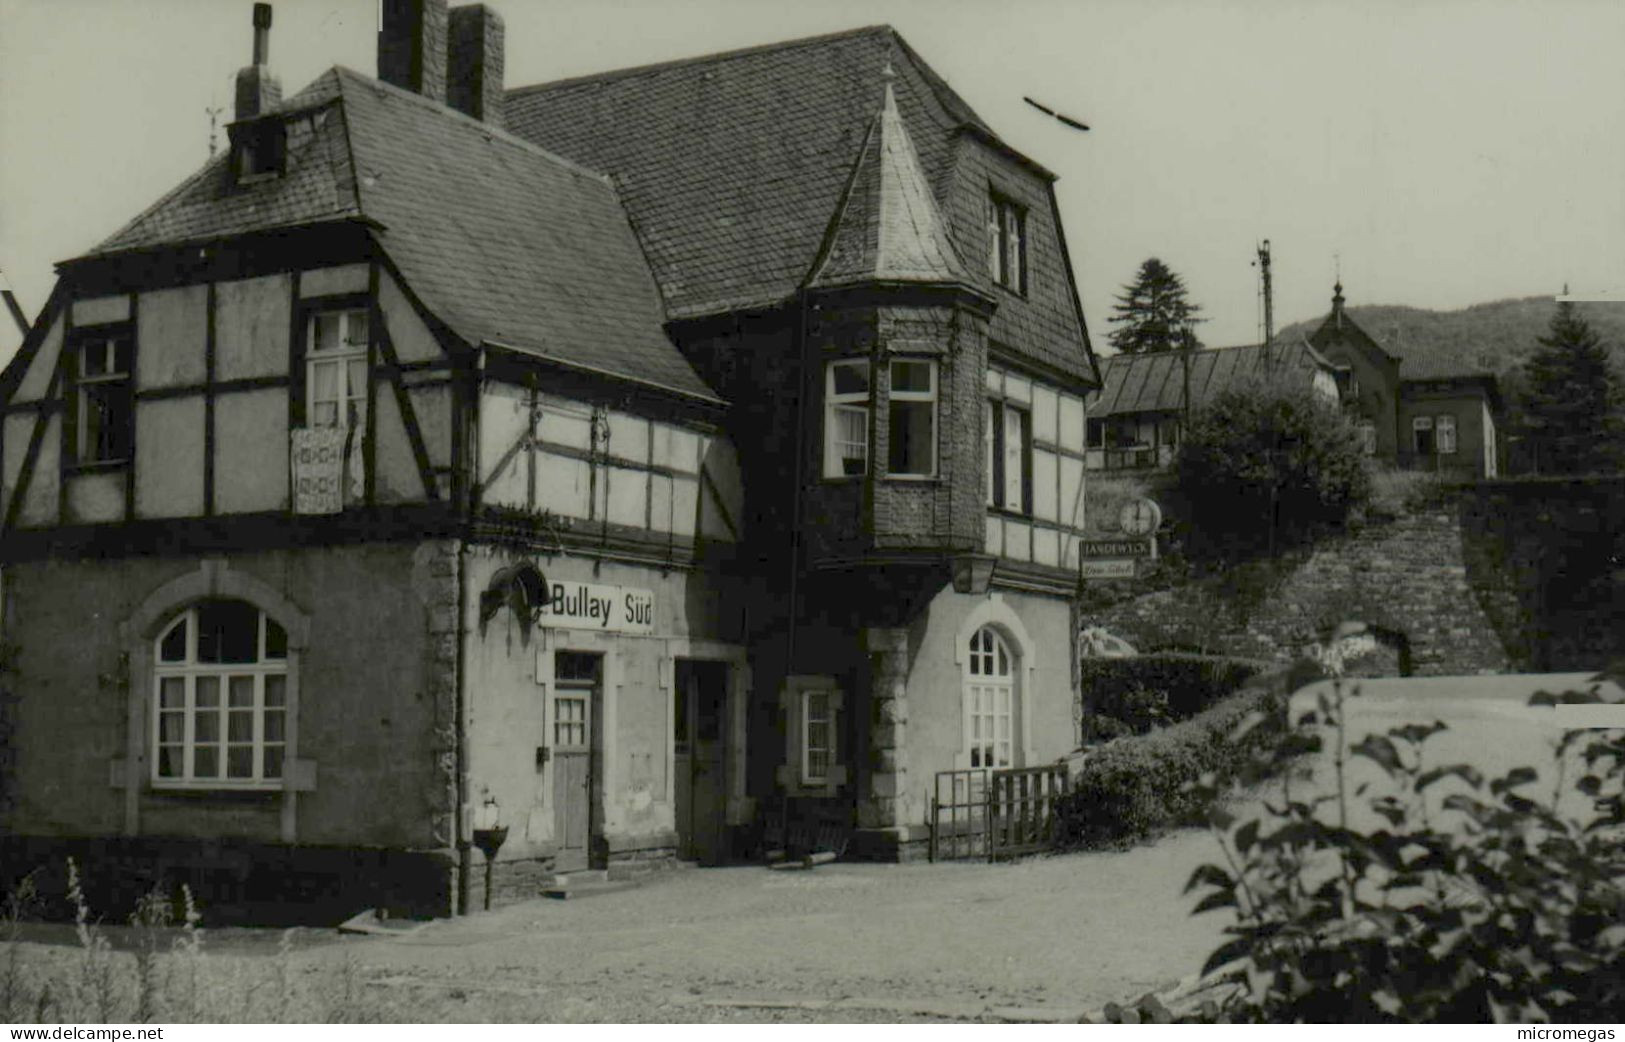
(846, 418)
(912, 418)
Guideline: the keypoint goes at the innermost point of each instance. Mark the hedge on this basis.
(1140, 785)
(1191, 682)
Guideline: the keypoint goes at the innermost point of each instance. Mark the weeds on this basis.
(160, 970)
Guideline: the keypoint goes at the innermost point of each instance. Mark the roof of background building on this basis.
(500, 239)
(1155, 382)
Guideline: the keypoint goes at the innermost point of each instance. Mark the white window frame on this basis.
(1007, 490)
(102, 386)
(929, 395)
(186, 674)
(795, 774)
(990, 696)
(851, 403)
(1007, 243)
(816, 774)
(350, 403)
(1444, 435)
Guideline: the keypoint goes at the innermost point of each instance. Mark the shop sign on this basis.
(593, 606)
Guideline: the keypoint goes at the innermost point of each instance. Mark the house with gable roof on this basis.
(592, 473)
(1419, 411)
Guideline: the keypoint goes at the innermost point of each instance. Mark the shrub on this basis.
(1188, 683)
(1487, 905)
(1268, 464)
(1395, 493)
(1141, 785)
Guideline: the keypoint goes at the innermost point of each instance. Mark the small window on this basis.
(817, 737)
(1444, 432)
(336, 369)
(1007, 243)
(1009, 457)
(221, 709)
(1422, 435)
(912, 421)
(102, 414)
(1368, 437)
(846, 419)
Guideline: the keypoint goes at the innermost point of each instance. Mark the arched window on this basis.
(220, 701)
(990, 701)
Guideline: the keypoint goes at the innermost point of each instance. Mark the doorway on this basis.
(699, 719)
(577, 697)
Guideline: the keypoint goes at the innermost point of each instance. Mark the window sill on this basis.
(1017, 515)
(842, 479)
(916, 479)
(95, 467)
(257, 792)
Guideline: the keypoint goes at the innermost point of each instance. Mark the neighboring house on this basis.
(619, 461)
(1136, 418)
(1415, 410)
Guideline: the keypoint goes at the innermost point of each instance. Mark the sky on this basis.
(1439, 153)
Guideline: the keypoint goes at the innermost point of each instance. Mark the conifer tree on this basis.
(1571, 402)
(1153, 313)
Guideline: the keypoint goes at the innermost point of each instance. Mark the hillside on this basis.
(1494, 337)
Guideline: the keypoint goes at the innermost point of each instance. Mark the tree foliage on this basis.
(1571, 399)
(1268, 463)
(1465, 899)
(1153, 312)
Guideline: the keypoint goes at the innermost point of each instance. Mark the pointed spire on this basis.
(1337, 303)
(887, 227)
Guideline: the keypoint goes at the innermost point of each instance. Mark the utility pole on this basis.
(1269, 304)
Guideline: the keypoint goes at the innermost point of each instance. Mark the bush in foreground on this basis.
(1487, 905)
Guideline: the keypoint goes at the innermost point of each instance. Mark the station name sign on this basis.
(593, 606)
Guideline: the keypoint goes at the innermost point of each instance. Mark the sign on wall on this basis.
(1101, 568)
(317, 459)
(591, 606)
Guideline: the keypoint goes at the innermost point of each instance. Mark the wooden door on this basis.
(576, 686)
(699, 748)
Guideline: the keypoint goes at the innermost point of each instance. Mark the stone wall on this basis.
(1405, 578)
(1548, 555)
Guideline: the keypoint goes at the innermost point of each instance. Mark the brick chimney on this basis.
(474, 62)
(258, 91)
(412, 46)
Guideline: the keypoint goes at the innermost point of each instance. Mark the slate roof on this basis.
(887, 227)
(1417, 361)
(733, 164)
(1155, 382)
(502, 240)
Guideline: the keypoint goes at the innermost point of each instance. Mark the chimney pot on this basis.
(258, 91)
(412, 46)
(474, 60)
(262, 33)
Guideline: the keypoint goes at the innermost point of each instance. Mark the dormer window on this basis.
(258, 149)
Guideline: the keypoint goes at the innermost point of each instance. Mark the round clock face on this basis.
(1140, 517)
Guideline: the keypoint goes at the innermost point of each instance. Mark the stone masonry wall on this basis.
(1405, 578)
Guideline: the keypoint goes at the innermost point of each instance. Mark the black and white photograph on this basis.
(875, 512)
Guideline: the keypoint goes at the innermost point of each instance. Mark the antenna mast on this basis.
(1269, 303)
(214, 126)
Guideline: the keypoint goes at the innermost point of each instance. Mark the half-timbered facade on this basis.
(436, 464)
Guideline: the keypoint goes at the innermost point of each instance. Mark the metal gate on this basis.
(987, 814)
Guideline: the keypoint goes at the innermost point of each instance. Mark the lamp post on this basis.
(489, 835)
